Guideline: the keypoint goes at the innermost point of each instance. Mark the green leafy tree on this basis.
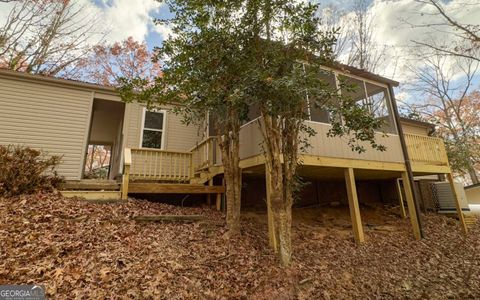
(202, 71)
(287, 52)
(226, 56)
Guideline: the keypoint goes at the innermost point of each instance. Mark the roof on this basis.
(472, 186)
(418, 122)
(110, 89)
(364, 74)
(58, 81)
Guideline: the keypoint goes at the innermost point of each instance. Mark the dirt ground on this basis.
(80, 250)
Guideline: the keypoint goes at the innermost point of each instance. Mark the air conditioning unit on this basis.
(444, 196)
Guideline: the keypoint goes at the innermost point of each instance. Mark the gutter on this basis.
(408, 164)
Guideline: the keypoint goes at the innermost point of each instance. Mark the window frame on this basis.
(142, 128)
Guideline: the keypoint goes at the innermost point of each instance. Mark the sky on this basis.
(392, 18)
(124, 18)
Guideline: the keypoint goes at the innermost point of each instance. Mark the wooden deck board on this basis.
(93, 195)
(168, 188)
(90, 184)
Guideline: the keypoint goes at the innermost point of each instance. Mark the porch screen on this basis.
(371, 96)
(152, 134)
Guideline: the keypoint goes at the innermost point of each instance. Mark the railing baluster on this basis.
(160, 167)
(426, 149)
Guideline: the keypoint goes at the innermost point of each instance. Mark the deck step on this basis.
(93, 195)
(470, 219)
(91, 184)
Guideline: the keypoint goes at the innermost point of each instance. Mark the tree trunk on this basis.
(280, 204)
(233, 183)
(230, 148)
(473, 175)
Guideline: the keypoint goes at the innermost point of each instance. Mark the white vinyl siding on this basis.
(178, 136)
(52, 118)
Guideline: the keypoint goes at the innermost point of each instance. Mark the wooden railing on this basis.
(205, 154)
(426, 149)
(161, 165)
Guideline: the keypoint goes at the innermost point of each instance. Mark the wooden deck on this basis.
(192, 172)
(153, 171)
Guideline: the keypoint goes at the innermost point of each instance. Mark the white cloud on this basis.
(399, 22)
(129, 18)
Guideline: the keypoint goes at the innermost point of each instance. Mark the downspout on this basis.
(408, 165)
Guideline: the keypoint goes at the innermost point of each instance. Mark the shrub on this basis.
(24, 170)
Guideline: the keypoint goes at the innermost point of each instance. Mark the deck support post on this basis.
(209, 196)
(218, 202)
(456, 197)
(219, 197)
(400, 198)
(127, 161)
(354, 206)
(271, 233)
(412, 212)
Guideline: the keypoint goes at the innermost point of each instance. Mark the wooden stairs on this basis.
(470, 219)
(92, 189)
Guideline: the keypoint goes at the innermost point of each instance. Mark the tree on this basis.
(446, 84)
(47, 37)
(202, 70)
(227, 56)
(127, 59)
(286, 53)
(98, 156)
(355, 32)
(458, 39)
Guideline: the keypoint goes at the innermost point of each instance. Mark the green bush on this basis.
(24, 170)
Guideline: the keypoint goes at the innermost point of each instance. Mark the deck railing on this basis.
(161, 165)
(205, 153)
(426, 149)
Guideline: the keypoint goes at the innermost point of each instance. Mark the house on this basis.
(154, 152)
(472, 193)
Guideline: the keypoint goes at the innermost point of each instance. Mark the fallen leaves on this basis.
(83, 250)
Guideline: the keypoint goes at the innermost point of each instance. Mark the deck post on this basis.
(192, 170)
(412, 212)
(271, 232)
(209, 196)
(127, 161)
(219, 197)
(457, 203)
(400, 198)
(353, 205)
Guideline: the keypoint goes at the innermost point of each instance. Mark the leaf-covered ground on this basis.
(81, 250)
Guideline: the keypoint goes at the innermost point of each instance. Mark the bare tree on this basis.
(458, 38)
(356, 44)
(444, 87)
(47, 36)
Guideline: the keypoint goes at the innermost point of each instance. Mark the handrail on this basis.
(426, 149)
(204, 154)
(160, 150)
(197, 145)
(163, 165)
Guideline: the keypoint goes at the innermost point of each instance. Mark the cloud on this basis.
(397, 23)
(129, 18)
(400, 23)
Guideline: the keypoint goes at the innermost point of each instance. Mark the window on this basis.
(316, 110)
(372, 96)
(153, 129)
